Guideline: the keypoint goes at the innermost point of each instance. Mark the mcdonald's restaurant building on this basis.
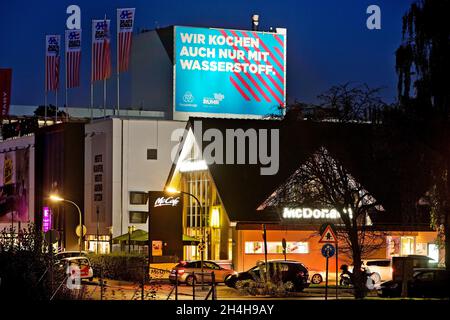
(236, 201)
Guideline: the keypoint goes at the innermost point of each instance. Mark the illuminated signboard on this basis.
(228, 73)
(308, 213)
(46, 219)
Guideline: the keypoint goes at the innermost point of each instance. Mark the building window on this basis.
(138, 216)
(102, 246)
(138, 197)
(433, 252)
(407, 245)
(152, 154)
(257, 247)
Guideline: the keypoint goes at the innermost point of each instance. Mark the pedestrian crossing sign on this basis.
(328, 236)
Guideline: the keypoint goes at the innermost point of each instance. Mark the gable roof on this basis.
(242, 188)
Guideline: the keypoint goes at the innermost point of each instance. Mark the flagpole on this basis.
(65, 72)
(117, 63)
(45, 85)
(92, 77)
(104, 73)
(56, 105)
(104, 97)
(45, 107)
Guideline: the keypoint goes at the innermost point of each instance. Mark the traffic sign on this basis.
(328, 250)
(78, 229)
(201, 247)
(328, 236)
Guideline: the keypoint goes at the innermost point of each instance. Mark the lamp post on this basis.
(56, 198)
(202, 226)
(131, 229)
(110, 230)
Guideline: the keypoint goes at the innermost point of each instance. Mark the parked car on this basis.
(69, 254)
(381, 269)
(86, 271)
(285, 271)
(426, 282)
(316, 277)
(188, 271)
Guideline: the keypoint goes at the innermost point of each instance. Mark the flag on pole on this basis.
(73, 58)
(52, 46)
(101, 52)
(125, 22)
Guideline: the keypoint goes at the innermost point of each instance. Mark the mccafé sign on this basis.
(165, 211)
(308, 213)
(166, 201)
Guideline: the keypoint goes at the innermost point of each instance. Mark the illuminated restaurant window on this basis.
(433, 252)
(407, 245)
(257, 247)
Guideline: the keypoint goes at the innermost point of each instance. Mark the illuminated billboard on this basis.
(228, 73)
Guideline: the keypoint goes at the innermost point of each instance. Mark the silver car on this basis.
(190, 271)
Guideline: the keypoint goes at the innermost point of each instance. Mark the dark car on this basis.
(279, 270)
(426, 282)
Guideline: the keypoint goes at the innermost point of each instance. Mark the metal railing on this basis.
(212, 292)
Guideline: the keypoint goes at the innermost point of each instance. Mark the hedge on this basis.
(119, 266)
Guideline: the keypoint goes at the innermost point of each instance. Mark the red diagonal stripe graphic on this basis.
(279, 52)
(247, 74)
(241, 78)
(279, 40)
(270, 52)
(276, 71)
(239, 89)
(268, 76)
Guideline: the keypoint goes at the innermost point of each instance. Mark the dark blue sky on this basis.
(328, 42)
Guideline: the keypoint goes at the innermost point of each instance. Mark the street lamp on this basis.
(56, 198)
(131, 229)
(255, 22)
(202, 228)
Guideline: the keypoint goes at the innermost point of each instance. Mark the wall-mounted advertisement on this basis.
(14, 186)
(257, 247)
(229, 73)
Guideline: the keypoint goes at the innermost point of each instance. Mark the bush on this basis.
(119, 266)
(24, 268)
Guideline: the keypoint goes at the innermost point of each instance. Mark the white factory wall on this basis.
(139, 173)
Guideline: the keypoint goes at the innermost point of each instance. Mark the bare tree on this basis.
(352, 102)
(322, 181)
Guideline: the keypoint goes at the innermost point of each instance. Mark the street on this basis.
(121, 290)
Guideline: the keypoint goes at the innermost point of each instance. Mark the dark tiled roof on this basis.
(386, 165)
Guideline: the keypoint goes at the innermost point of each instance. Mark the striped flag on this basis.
(125, 22)
(101, 51)
(52, 47)
(73, 58)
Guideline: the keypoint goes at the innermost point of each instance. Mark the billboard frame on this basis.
(184, 116)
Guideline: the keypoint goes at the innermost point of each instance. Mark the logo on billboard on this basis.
(188, 97)
(215, 100)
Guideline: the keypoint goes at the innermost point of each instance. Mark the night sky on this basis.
(328, 42)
